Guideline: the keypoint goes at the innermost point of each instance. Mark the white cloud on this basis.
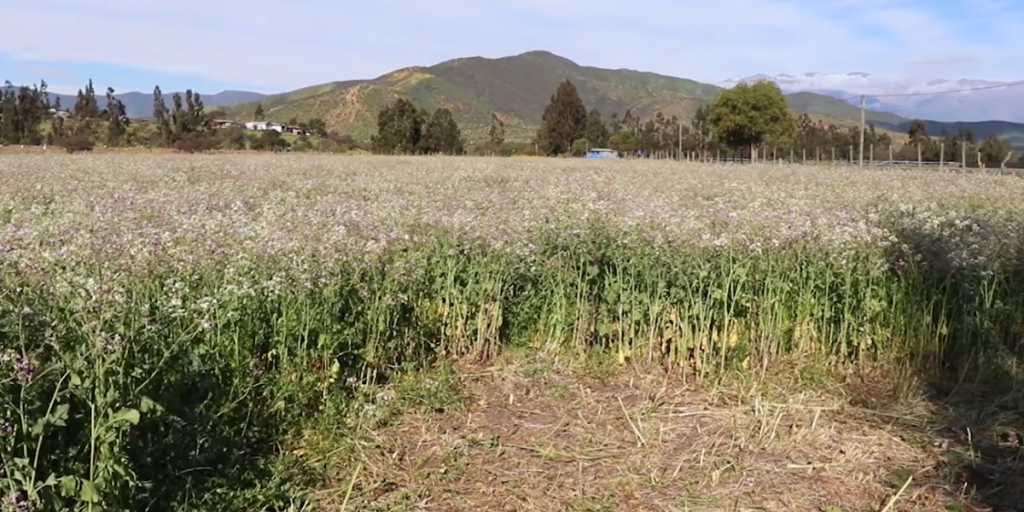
(281, 45)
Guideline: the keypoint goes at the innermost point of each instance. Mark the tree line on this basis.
(28, 116)
(402, 128)
(748, 119)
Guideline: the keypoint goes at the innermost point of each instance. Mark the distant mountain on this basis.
(931, 97)
(140, 104)
(517, 88)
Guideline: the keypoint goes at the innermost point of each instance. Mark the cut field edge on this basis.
(531, 432)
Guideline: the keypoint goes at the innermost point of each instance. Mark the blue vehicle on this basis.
(602, 153)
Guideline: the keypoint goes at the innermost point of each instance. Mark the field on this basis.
(312, 332)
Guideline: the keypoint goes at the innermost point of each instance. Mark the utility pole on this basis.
(862, 130)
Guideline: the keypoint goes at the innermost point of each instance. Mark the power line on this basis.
(907, 94)
(968, 89)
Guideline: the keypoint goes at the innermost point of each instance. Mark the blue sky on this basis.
(271, 45)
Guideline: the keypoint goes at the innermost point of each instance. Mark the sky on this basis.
(274, 46)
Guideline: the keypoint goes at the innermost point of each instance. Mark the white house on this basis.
(264, 125)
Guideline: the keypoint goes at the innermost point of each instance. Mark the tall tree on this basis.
(84, 113)
(751, 115)
(116, 126)
(86, 106)
(595, 130)
(161, 117)
(399, 128)
(496, 133)
(702, 126)
(994, 152)
(258, 115)
(195, 117)
(10, 133)
(441, 134)
(179, 119)
(564, 120)
(57, 130)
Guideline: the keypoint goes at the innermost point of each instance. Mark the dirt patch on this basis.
(535, 438)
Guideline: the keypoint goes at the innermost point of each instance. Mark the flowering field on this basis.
(169, 321)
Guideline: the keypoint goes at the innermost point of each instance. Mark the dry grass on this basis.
(534, 435)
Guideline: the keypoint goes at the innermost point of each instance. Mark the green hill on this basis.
(518, 88)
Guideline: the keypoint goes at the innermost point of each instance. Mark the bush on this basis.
(195, 143)
(77, 143)
(269, 140)
(231, 138)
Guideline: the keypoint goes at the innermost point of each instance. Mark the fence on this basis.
(819, 157)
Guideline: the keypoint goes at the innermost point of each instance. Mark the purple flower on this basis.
(25, 370)
(17, 500)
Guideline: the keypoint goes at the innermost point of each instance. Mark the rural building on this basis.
(224, 123)
(270, 125)
(602, 153)
(264, 125)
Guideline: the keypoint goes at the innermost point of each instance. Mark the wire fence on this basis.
(886, 157)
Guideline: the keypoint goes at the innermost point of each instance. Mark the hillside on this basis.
(519, 87)
(813, 103)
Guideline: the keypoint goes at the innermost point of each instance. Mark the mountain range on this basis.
(518, 88)
(937, 99)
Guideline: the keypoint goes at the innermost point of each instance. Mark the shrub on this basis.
(195, 143)
(77, 143)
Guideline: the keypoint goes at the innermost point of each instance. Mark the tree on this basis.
(917, 131)
(258, 115)
(441, 134)
(116, 126)
(751, 115)
(9, 130)
(22, 111)
(86, 106)
(195, 117)
(317, 126)
(85, 112)
(623, 142)
(179, 118)
(564, 120)
(595, 130)
(994, 152)
(399, 128)
(580, 147)
(161, 119)
(702, 126)
(496, 133)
